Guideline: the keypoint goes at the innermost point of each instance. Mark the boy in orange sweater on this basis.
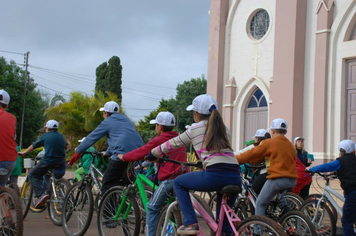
(280, 164)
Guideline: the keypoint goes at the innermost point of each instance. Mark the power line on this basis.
(17, 53)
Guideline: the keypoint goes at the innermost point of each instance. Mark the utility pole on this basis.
(24, 96)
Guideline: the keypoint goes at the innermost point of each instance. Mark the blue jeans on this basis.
(6, 168)
(37, 173)
(349, 213)
(204, 181)
(270, 189)
(154, 207)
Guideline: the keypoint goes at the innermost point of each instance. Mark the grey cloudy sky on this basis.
(161, 43)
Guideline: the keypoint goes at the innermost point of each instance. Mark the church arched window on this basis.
(258, 99)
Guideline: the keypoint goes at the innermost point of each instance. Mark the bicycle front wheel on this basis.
(322, 218)
(78, 209)
(296, 223)
(55, 203)
(260, 225)
(174, 221)
(111, 221)
(11, 213)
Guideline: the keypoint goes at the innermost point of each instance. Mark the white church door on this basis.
(351, 100)
(256, 114)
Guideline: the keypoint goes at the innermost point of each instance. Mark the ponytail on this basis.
(216, 138)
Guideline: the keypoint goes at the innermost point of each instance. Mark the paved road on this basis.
(39, 224)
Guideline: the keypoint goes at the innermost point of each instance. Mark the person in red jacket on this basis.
(8, 149)
(167, 172)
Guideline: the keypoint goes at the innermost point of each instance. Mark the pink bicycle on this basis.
(170, 218)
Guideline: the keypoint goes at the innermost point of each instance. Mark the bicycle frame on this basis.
(139, 182)
(328, 192)
(93, 171)
(216, 227)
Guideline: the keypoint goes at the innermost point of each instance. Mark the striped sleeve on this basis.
(172, 144)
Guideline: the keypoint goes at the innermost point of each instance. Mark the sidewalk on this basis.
(68, 175)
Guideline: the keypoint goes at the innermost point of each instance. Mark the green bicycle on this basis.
(119, 211)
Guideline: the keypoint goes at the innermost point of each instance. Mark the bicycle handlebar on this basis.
(166, 158)
(325, 176)
(93, 153)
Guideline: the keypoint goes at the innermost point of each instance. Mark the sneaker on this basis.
(40, 201)
(188, 229)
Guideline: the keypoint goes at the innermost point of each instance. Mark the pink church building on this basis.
(294, 59)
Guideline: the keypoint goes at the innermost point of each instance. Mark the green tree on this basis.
(58, 98)
(12, 80)
(109, 77)
(186, 93)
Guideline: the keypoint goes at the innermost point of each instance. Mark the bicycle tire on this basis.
(78, 208)
(175, 220)
(298, 224)
(108, 208)
(325, 223)
(247, 226)
(26, 196)
(11, 213)
(317, 196)
(55, 206)
(294, 201)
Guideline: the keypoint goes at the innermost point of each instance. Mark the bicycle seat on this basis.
(230, 189)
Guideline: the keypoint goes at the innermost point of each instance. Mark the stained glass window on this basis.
(259, 24)
(257, 100)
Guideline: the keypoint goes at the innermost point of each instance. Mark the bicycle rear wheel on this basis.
(265, 225)
(324, 221)
(78, 210)
(55, 204)
(296, 223)
(11, 213)
(128, 221)
(294, 201)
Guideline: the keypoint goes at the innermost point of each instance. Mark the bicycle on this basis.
(317, 209)
(11, 220)
(293, 222)
(57, 190)
(121, 207)
(79, 202)
(170, 218)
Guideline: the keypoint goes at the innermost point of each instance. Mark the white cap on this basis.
(4, 97)
(164, 118)
(279, 123)
(81, 140)
(52, 124)
(110, 107)
(297, 138)
(348, 145)
(203, 104)
(260, 133)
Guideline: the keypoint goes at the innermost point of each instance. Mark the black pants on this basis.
(114, 175)
(259, 182)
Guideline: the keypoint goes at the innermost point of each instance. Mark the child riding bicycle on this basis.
(55, 146)
(345, 167)
(85, 160)
(167, 172)
(280, 165)
(211, 140)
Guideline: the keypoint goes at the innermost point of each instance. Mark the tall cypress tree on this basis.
(109, 77)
